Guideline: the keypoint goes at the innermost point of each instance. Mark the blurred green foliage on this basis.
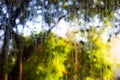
(94, 59)
(50, 61)
(47, 61)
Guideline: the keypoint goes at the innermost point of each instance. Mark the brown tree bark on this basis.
(4, 53)
(6, 44)
(75, 72)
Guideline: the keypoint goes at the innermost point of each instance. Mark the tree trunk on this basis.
(16, 72)
(20, 65)
(75, 62)
(4, 53)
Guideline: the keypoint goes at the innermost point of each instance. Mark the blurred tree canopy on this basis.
(49, 60)
(16, 50)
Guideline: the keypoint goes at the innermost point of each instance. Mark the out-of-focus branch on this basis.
(57, 22)
(21, 8)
